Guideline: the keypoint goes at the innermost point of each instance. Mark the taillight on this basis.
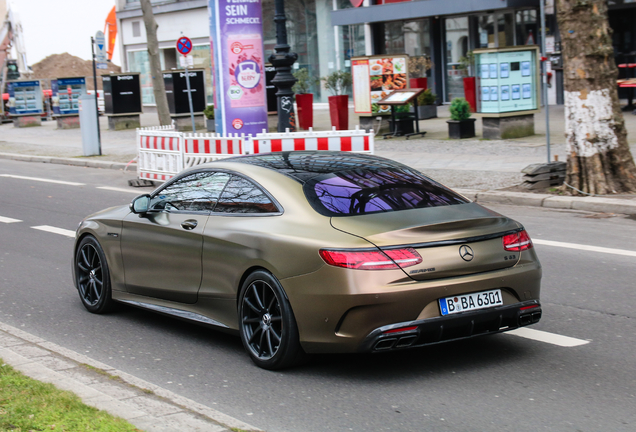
(517, 242)
(372, 260)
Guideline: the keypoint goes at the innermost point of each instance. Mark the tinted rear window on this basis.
(359, 192)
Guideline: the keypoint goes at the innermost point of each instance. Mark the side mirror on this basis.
(140, 204)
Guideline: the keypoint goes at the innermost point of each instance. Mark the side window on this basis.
(195, 192)
(243, 196)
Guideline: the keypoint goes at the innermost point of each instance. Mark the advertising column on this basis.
(236, 42)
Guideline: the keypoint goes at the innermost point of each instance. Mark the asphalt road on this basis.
(497, 383)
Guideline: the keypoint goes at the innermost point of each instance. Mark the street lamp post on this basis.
(283, 60)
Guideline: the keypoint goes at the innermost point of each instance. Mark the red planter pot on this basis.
(339, 111)
(470, 93)
(305, 103)
(419, 83)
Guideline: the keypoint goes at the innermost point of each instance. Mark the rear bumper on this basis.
(452, 327)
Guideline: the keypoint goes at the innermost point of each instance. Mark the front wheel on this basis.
(267, 324)
(92, 277)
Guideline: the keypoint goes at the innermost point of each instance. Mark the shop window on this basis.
(138, 62)
(486, 29)
(417, 44)
(505, 30)
(527, 28)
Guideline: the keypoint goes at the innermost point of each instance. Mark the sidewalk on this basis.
(146, 406)
(474, 165)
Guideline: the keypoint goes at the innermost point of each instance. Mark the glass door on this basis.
(455, 52)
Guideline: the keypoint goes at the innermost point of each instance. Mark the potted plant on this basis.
(460, 125)
(426, 105)
(208, 112)
(304, 99)
(337, 84)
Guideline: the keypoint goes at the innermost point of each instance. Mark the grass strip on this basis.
(29, 405)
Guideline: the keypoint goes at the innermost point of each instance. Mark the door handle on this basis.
(189, 224)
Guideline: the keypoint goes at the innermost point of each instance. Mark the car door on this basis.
(236, 234)
(162, 248)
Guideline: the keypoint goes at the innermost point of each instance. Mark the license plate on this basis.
(468, 302)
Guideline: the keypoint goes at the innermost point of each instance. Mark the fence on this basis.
(163, 152)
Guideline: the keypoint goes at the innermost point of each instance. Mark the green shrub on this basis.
(208, 112)
(337, 82)
(305, 81)
(427, 97)
(459, 109)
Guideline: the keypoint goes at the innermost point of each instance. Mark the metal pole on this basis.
(189, 94)
(544, 80)
(99, 134)
(283, 60)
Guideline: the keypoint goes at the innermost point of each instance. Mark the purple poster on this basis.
(236, 44)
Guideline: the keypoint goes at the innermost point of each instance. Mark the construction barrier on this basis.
(163, 152)
(160, 153)
(202, 148)
(356, 140)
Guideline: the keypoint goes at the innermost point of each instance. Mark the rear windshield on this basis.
(359, 192)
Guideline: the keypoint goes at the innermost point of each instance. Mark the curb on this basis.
(68, 161)
(590, 204)
(143, 404)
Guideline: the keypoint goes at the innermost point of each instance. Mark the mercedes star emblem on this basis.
(466, 253)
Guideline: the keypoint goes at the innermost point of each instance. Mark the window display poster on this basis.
(236, 44)
(361, 86)
(493, 71)
(65, 93)
(485, 71)
(525, 68)
(527, 91)
(516, 94)
(25, 97)
(505, 93)
(493, 93)
(504, 70)
(485, 94)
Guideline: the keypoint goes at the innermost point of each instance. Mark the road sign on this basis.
(100, 51)
(184, 45)
(186, 61)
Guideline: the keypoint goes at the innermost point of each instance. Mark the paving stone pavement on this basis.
(146, 406)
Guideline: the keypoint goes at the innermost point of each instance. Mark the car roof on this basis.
(302, 166)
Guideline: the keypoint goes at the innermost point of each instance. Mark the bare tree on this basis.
(158, 86)
(599, 159)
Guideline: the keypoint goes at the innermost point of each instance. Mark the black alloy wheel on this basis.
(92, 276)
(267, 324)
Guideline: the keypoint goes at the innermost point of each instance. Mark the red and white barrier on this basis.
(202, 148)
(163, 152)
(160, 153)
(356, 140)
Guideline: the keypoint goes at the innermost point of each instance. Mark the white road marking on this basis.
(585, 247)
(42, 180)
(8, 220)
(55, 230)
(551, 338)
(118, 189)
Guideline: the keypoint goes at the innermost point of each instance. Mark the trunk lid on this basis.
(452, 240)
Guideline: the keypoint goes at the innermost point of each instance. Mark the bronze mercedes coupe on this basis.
(312, 252)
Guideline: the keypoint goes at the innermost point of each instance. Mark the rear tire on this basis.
(267, 325)
(92, 277)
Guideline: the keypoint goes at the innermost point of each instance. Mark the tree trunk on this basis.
(158, 87)
(599, 159)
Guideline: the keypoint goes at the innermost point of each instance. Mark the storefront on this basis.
(439, 35)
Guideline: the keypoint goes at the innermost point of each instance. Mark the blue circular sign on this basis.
(184, 45)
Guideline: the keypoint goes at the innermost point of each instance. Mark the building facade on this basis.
(438, 35)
